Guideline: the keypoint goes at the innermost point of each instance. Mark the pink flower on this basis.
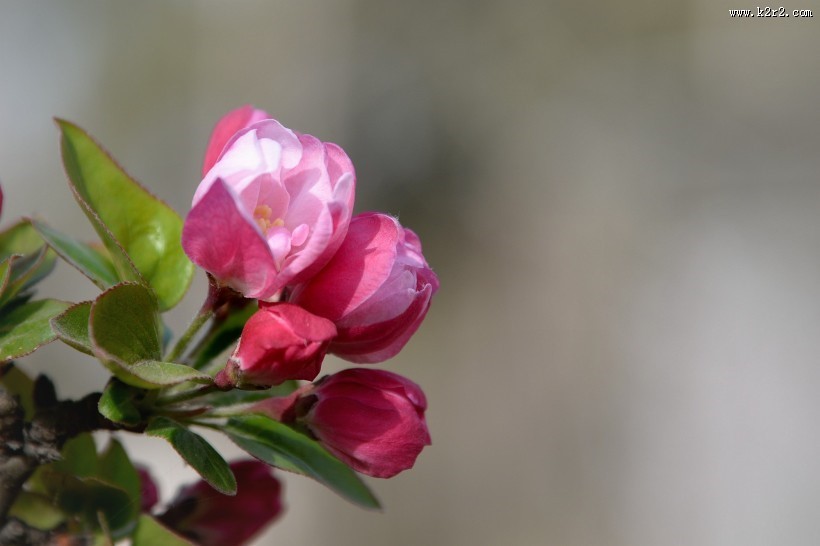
(373, 420)
(376, 289)
(211, 519)
(272, 209)
(279, 342)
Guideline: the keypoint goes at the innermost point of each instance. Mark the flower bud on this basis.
(209, 518)
(373, 420)
(149, 495)
(376, 289)
(271, 210)
(278, 343)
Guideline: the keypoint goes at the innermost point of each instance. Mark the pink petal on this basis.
(230, 124)
(222, 239)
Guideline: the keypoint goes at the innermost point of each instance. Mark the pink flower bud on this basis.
(279, 342)
(272, 209)
(376, 289)
(211, 519)
(373, 420)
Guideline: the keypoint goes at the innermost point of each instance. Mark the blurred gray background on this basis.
(621, 201)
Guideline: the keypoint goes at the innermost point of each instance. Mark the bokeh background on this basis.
(621, 201)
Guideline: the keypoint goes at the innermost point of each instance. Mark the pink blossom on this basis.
(211, 519)
(230, 124)
(279, 342)
(373, 420)
(271, 210)
(376, 289)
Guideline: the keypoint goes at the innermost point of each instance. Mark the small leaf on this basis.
(116, 468)
(27, 327)
(71, 327)
(124, 328)
(88, 260)
(20, 238)
(117, 403)
(131, 222)
(281, 446)
(79, 457)
(87, 497)
(197, 452)
(151, 533)
(24, 271)
(37, 511)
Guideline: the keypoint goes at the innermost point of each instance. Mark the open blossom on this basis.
(373, 420)
(211, 519)
(272, 209)
(376, 289)
(279, 342)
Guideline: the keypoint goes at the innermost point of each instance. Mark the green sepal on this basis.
(141, 233)
(27, 327)
(196, 451)
(281, 446)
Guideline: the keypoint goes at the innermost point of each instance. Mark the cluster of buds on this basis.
(273, 220)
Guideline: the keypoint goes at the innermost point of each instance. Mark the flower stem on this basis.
(218, 297)
(187, 395)
(199, 320)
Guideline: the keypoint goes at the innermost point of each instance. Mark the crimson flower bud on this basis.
(278, 343)
(373, 420)
(149, 495)
(376, 289)
(211, 519)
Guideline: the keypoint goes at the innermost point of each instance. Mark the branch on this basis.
(26, 445)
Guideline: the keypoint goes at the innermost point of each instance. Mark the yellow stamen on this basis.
(262, 215)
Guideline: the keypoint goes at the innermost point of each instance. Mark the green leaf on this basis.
(117, 403)
(88, 497)
(71, 327)
(88, 260)
(24, 271)
(79, 457)
(36, 510)
(124, 328)
(27, 327)
(131, 222)
(116, 468)
(281, 446)
(26, 260)
(197, 452)
(16, 382)
(151, 533)
(20, 238)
